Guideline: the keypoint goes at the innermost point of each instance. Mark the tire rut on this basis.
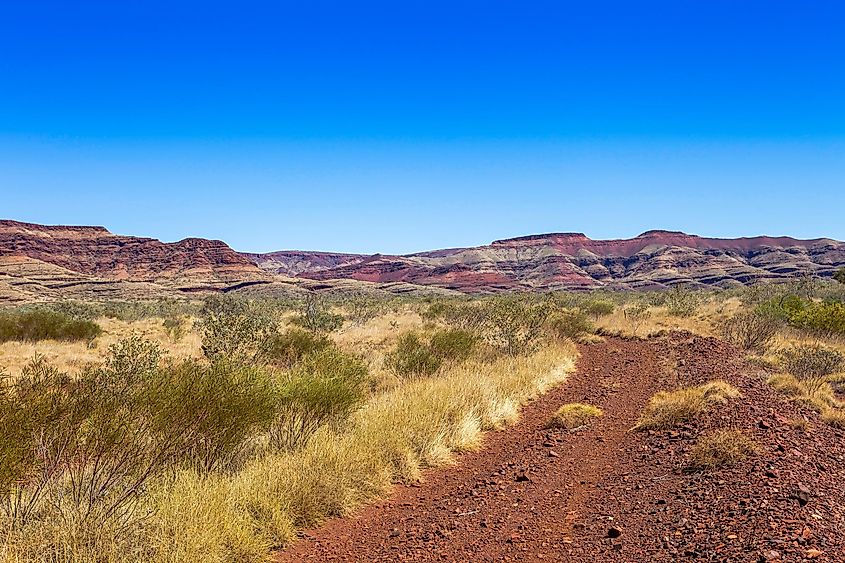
(522, 496)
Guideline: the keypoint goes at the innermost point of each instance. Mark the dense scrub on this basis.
(146, 457)
(45, 324)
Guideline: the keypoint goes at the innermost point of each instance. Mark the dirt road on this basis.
(605, 493)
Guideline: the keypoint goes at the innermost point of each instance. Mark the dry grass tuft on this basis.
(574, 415)
(667, 409)
(720, 448)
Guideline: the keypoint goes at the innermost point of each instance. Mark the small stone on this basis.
(763, 424)
(813, 554)
(553, 453)
(522, 478)
(771, 555)
(802, 495)
(614, 532)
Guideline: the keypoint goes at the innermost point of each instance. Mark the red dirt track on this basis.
(605, 493)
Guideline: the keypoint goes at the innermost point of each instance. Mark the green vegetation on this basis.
(235, 329)
(821, 318)
(290, 347)
(751, 330)
(414, 357)
(323, 390)
(314, 315)
(44, 324)
(221, 457)
(572, 324)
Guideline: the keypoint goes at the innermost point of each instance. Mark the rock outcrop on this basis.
(37, 260)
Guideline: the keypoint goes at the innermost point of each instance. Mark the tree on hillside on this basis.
(840, 275)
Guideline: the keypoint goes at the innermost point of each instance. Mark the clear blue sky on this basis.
(405, 126)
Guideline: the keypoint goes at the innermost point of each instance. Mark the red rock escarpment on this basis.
(572, 260)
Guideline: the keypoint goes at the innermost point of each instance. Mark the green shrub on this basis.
(43, 324)
(681, 302)
(465, 315)
(315, 316)
(570, 324)
(515, 324)
(412, 357)
(363, 308)
(812, 364)
(85, 447)
(235, 329)
(453, 344)
(598, 308)
(637, 314)
(751, 330)
(290, 347)
(783, 308)
(840, 275)
(214, 409)
(821, 318)
(325, 388)
(175, 327)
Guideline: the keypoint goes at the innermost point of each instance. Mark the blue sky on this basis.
(405, 126)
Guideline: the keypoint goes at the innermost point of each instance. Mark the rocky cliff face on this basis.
(90, 254)
(572, 260)
(38, 261)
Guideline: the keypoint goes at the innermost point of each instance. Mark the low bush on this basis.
(840, 275)
(290, 347)
(570, 324)
(235, 329)
(637, 314)
(412, 357)
(681, 302)
(315, 315)
(821, 319)
(85, 447)
(43, 324)
(176, 327)
(324, 389)
(721, 448)
(453, 344)
(811, 372)
(812, 364)
(598, 308)
(751, 330)
(515, 324)
(574, 415)
(667, 409)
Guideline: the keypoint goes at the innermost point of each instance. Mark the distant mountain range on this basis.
(48, 261)
(572, 260)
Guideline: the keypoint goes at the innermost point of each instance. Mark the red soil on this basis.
(606, 493)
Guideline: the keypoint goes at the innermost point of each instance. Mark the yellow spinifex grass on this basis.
(720, 448)
(574, 415)
(397, 434)
(672, 408)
